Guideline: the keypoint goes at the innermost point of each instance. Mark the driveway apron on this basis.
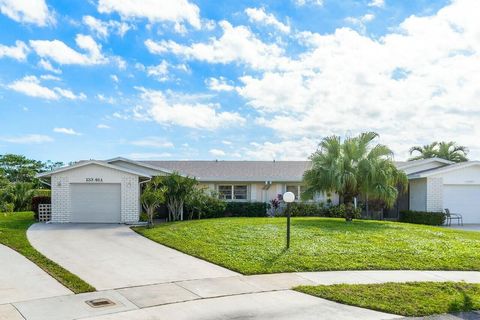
(113, 256)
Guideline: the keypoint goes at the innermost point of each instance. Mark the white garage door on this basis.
(463, 199)
(95, 203)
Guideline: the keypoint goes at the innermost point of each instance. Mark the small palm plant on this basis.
(19, 194)
(153, 196)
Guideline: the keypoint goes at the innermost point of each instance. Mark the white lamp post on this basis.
(288, 197)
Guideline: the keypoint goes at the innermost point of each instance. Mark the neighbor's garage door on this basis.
(95, 203)
(463, 199)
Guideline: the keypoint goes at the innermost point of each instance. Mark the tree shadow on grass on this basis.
(272, 260)
(464, 309)
(339, 225)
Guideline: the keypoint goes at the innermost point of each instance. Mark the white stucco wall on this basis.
(418, 194)
(61, 190)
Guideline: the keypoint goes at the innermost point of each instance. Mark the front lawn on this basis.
(13, 233)
(257, 245)
(407, 299)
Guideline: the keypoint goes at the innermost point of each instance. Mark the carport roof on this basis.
(91, 162)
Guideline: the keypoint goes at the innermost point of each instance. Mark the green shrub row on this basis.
(238, 209)
(313, 209)
(420, 217)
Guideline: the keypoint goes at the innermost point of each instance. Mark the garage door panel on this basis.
(97, 203)
(463, 199)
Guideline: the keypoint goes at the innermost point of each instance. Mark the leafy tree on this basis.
(152, 197)
(18, 168)
(446, 150)
(178, 190)
(3, 181)
(353, 167)
(203, 202)
(20, 194)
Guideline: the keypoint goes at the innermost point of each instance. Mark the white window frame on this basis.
(232, 191)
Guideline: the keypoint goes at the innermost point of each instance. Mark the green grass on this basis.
(257, 245)
(407, 299)
(13, 233)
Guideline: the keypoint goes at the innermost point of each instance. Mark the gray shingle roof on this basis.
(237, 170)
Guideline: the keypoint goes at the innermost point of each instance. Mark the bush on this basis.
(246, 209)
(6, 207)
(42, 193)
(420, 217)
(313, 209)
(203, 204)
(38, 200)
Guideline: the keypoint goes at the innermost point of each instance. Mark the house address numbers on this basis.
(93, 179)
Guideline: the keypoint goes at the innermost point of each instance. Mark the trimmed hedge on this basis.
(245, 209)
(313, 209)
(420, 217)
(238, 209)
(38, 200)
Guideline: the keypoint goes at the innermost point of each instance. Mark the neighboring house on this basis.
(109, 191)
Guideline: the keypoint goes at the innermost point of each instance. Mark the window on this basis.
(240, 192)
(233, 192)
(294, 190)
(225, 192)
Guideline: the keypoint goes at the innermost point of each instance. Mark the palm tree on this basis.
(354, 167)
(426, 151)
(445, 150)
(452, 151)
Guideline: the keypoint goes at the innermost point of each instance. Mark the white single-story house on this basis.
(109, 191)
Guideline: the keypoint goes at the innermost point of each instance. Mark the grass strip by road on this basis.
(257, 245)
(406, 299)
(13, 233)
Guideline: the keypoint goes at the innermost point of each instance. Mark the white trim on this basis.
(415, 163)
(87, 163)
(140, 164)
(449, 168)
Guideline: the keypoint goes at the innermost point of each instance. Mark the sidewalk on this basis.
(235, 291)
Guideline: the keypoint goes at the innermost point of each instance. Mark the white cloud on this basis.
(31, 86)
(377, 3)
(49, 77)
(176, 11)
(68, 131)
(17, 52)
(160, 71)
(102, 29)
(114, 78)
(66, 93)
(172, 109)
(31, 11)
(361, 22)
(259, 15)
(414, 85)
(103, 98)
(103, 126)
(148, 156)
(237, 44)
(219, 84)
(217, 152)
(59, 52)
(153, 142)
(299, 149)
(309, 2)
(27, 139)
(45, 64)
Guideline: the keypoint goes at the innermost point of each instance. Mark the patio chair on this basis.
(452, 216)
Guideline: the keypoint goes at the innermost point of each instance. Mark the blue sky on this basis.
(184, 79)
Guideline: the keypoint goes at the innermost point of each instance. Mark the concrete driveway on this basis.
(113, 256)
(21, 279)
